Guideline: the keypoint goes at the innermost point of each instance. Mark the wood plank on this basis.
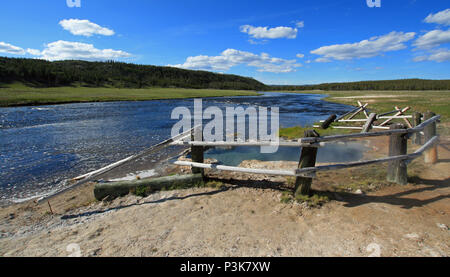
(237, 169)
(364, 110)
(116, 189)
(368, 125)
(328, 122)
(371, 134)
(397, 169)
(397, 114)
(358, 111)
(244, 143)
(91, 176)
(404, 119)
(307, 159)
(417, 118)
(431, 155)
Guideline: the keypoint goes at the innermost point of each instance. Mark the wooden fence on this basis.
(398, 158)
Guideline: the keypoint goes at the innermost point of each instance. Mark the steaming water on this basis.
(41, 147)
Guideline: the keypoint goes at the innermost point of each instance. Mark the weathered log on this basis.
(197, 151)
(358, 110)
(347, 113)
(400, 112)
(328, 122)
(431, 155)
(404, 118)
(371, 134)
(364, 110)
(368, 125)
(92, 175)
(307, 159)
(417, 119)
(116, 189)
(397, 169)
(237, 168)
(243, 143)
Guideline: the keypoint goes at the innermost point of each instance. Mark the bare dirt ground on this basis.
(244, 218)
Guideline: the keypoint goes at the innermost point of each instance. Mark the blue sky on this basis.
(276, 42)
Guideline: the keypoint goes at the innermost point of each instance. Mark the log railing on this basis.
(397, 159)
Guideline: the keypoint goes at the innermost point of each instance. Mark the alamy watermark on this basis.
(73, 3)
(235, 121)
(374, 3)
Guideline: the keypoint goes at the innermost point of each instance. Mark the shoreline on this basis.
(11, 97)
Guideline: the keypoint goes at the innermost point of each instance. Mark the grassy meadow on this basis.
(21, 95)
(380, 102)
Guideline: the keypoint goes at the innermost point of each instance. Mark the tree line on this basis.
(404, 84)
(41, 73)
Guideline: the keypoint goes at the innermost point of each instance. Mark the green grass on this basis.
(298, 131)
(315, 200)
(21, 95)
(421, 101)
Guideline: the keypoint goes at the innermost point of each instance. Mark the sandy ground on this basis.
(244, 218)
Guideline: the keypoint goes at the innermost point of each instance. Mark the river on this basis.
(42, 146)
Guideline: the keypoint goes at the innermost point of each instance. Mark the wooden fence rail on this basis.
(398, 157)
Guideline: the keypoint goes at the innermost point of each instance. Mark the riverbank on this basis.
(437, 101)
(380, 102)
(19, 95)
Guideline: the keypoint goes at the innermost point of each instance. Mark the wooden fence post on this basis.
(397, 170)
(197, 151)
(307, 159)
(431, 155)
(368, 125)
(328, 121)
(417, 119)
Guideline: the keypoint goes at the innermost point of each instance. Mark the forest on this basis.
(41, 73)
(403, 84)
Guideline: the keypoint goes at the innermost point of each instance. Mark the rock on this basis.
(412, 236)
(442, 226)
(359, 192)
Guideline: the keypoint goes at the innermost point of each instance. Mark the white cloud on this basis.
(11, 49)
(442, 17)
(366, 48)
(432, 39)
(231, 57)
(84, 28)
(256, 42)
(300, 24)
(272, 33)
(322, 60)
(439, 55)
(66, 50)
(300, 56)
(33, 52)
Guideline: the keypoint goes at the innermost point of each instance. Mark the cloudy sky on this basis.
(276, 42)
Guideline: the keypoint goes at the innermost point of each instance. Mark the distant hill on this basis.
(41, 73)
(404, 84)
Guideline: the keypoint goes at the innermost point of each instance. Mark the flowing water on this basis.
(41, 147)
